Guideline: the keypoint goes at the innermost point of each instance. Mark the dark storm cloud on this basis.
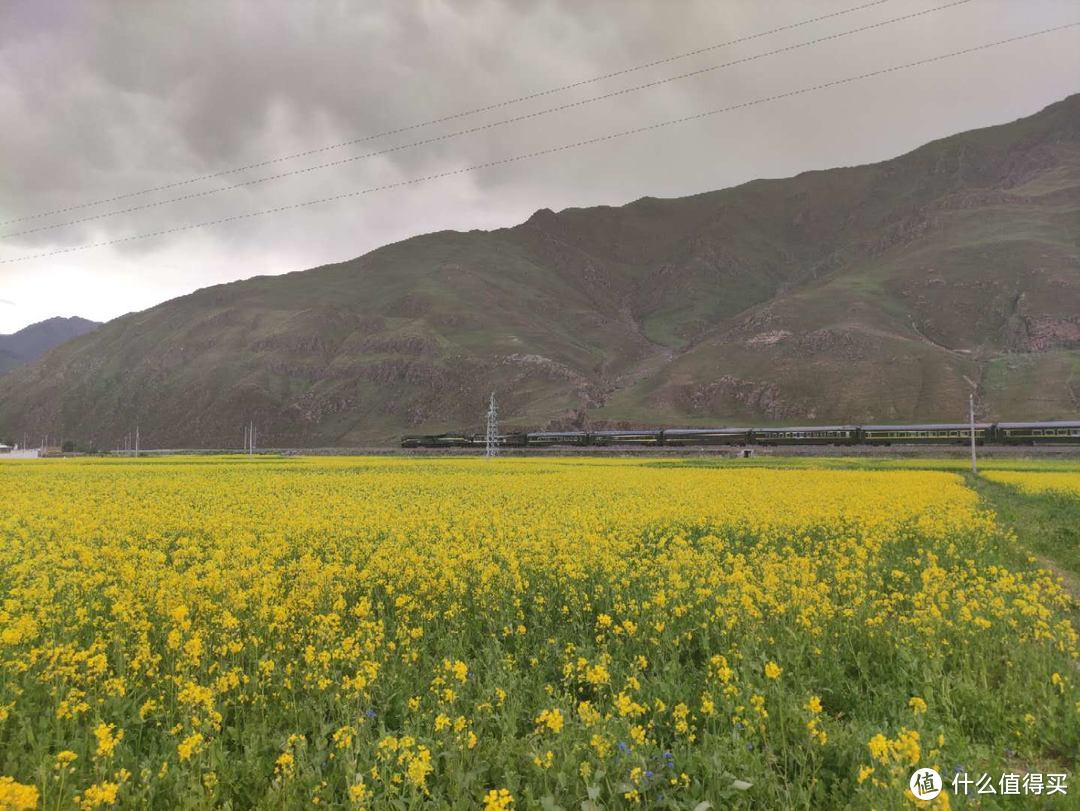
(105, 98)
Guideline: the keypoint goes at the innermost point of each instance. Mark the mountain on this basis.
(8, 361)
(31, 342)
(859, 294)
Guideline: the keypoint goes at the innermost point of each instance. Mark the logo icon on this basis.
(925, 784)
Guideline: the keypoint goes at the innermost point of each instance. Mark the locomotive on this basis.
(1056, 432)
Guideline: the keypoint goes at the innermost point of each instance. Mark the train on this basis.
(1055, 432)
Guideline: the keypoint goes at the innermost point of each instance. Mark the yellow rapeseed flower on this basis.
(498, 800)
(551, 720)
(107, 739)
(16, 796)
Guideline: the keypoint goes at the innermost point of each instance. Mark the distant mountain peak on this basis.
(541, 215)
(30, 343)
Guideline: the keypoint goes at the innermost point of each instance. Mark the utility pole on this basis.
(136, 440)
(971, 415)
(491, 435)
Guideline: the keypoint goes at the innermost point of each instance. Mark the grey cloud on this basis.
(103, 98)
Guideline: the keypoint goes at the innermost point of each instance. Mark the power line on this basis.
(491, 125)
(451, 117)
(550, 150)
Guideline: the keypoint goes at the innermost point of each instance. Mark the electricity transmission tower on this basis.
(491, 435)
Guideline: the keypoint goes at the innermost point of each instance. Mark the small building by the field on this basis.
(7, 452)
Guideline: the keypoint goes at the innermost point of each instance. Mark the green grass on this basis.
(1047, 524)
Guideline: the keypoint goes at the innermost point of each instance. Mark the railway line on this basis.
(1054, 432)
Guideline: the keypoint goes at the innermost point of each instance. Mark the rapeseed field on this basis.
(512, 634)
(1038, 482)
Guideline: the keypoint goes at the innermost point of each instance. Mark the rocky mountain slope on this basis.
(870, 293)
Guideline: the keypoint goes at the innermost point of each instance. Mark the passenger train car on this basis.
(1057, 432)
(809, 435)
(946, 433)
(1042, 433)
(705, 436)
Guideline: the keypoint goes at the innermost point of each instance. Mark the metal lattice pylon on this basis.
(491, 434)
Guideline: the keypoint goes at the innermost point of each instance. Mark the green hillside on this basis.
(857, 294)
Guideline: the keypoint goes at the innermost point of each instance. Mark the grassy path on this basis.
(1047, 525)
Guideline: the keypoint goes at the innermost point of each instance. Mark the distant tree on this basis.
(68, 446)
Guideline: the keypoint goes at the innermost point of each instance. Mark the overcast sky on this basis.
(101, 99)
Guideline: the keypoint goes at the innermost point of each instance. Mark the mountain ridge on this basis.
(31, 342)
(863, 293)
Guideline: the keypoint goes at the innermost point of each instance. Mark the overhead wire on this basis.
(491, 125)
(550, 150)
(451, 117)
